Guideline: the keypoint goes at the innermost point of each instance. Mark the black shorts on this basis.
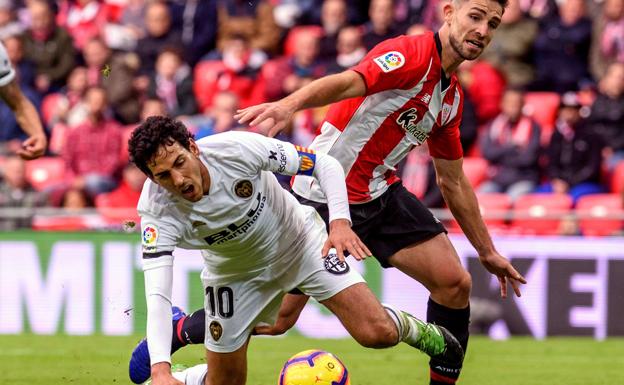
(393, 221)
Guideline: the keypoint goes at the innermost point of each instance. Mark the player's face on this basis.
(179, 171)
(472, 24)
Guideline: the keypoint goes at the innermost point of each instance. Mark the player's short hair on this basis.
(156, 131)
(503, 3)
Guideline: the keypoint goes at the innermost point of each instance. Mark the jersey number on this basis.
(222, 302)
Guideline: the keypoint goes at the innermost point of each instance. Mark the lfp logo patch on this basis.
(150, 236)
(390, 61)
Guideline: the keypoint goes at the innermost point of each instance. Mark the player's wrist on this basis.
(161, 369)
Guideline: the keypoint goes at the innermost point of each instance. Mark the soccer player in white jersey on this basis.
(25, 112)
(219, 196)
(403, 93)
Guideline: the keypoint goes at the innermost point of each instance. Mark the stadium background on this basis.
(69, 257)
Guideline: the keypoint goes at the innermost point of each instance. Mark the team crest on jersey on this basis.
(243, 189)
(390, 61)
(216, 330)
(150, 237)
(334, 265)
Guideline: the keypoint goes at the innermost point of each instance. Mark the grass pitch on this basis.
(52, 360)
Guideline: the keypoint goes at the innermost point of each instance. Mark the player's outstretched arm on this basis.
(462, 202)
(28, 119)
(321, 92)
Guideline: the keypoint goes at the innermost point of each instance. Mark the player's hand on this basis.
(342, 238)
(33, 147)
(504, 270)
(277, 114)
(161, 375)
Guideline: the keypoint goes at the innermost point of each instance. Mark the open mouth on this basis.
(188, 190)
(476, 44)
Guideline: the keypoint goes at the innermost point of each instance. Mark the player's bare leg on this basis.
(227, 368)
(376, 326)
(436, 265)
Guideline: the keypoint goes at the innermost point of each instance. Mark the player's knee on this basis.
(378, 334)
(455, 293)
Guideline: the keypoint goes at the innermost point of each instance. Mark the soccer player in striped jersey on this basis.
(402, 94)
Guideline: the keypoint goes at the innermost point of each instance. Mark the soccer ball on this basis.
(314, 367)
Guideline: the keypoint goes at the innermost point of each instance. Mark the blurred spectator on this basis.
(16, 192)
(126, 32)
(173, 83)
(409, 12)
(298, 70)
(333, 18)
(24, 68)
(129, 191)
(539, 9)
(607, 113)
(237, 69)
(574, 154)
(83, 19)
(48, 46)
(159, 34)
(251, 19)
(416, 29)
(94, 155)
(485, 86)
(382, 25)
(219, 118)
(76, 199)
(153, 107)
(562, 49)
(197, 19)
(511, 145)
(70, 108)
(9, 25)
(511, 48)
(118, 82)
(607, 37)
(350, 50)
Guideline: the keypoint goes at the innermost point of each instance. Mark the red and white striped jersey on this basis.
(408, 101)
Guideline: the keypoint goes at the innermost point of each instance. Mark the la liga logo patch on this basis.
(150, 235)
(390, 61)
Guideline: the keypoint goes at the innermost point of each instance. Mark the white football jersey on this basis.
(247, 221)
(7, 73)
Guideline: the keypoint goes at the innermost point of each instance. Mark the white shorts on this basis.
(235, 307)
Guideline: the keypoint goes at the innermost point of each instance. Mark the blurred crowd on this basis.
(544, 108)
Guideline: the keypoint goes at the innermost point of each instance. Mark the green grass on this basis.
(52, 360)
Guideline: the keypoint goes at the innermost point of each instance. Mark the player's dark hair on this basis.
(156, 131)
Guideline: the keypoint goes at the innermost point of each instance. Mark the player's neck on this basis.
(203, 169)
(449, 59)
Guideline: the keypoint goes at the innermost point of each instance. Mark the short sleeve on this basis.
(159, 236)
(398, 63)
(7, 73)
(444, 142)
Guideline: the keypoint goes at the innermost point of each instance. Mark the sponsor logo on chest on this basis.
(410, 122)
(233, 230)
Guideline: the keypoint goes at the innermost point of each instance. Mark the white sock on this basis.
(192, 376)
(407, 325)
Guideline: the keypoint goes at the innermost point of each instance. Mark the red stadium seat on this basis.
(543, 107)
(597, 207)
(532, 213)
(476, 170)
(204, 78)
(617, 180)
(291, 38)
(49, 106)
(493, 205)
(45, 172)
